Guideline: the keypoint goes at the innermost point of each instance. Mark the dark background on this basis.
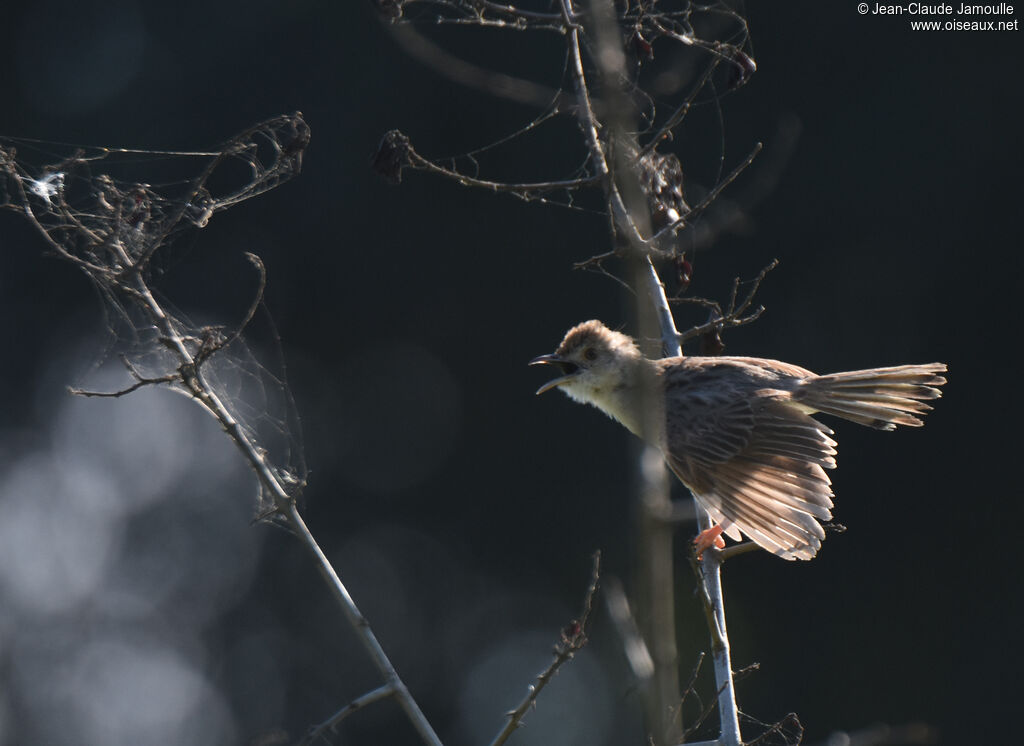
(461, 510)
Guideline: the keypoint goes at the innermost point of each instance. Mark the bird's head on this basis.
(595, 361)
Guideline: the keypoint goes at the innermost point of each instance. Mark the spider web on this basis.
(118, 213)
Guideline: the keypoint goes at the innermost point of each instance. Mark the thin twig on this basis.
(517, 11)
(381, 692)
(688, 690)
(521, 189)
(169, 378)
(705, 713)
(672, 228)
(596, 264)
(681, 111)
(735, 316)
(574, 637)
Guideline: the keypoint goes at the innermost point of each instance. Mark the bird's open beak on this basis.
(568, 369)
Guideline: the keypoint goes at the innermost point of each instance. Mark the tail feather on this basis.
(879, 397)
(927, 374)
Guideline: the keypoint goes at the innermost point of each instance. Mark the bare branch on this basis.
(140, 381)
(690, 690)
(700, 207)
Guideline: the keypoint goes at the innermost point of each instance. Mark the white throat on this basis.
(618, 396)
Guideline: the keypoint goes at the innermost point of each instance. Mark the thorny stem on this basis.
(729, 723)
(574, 637)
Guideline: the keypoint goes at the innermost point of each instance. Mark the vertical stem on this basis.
(655, 582)
(656, 597)
(710, 566)
(727, 708)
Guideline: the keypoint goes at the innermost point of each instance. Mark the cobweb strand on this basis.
(112, 228)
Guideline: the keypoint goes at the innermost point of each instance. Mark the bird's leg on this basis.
(708, 538)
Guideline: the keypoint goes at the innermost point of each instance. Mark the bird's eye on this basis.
(590, 354)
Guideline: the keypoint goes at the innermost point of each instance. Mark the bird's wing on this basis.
(757, 463)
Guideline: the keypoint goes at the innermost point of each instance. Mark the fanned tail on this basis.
(881, 398)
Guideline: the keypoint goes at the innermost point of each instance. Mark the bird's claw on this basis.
(709, 537)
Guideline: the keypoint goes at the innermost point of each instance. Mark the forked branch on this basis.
(396, 153)
(737, 313)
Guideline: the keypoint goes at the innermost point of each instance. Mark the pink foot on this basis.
(708, 538)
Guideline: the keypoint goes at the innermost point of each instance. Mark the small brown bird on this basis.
(738, 431)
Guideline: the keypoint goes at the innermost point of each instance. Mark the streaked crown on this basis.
(594, 335)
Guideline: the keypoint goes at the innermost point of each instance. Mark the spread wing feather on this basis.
(757, 463)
